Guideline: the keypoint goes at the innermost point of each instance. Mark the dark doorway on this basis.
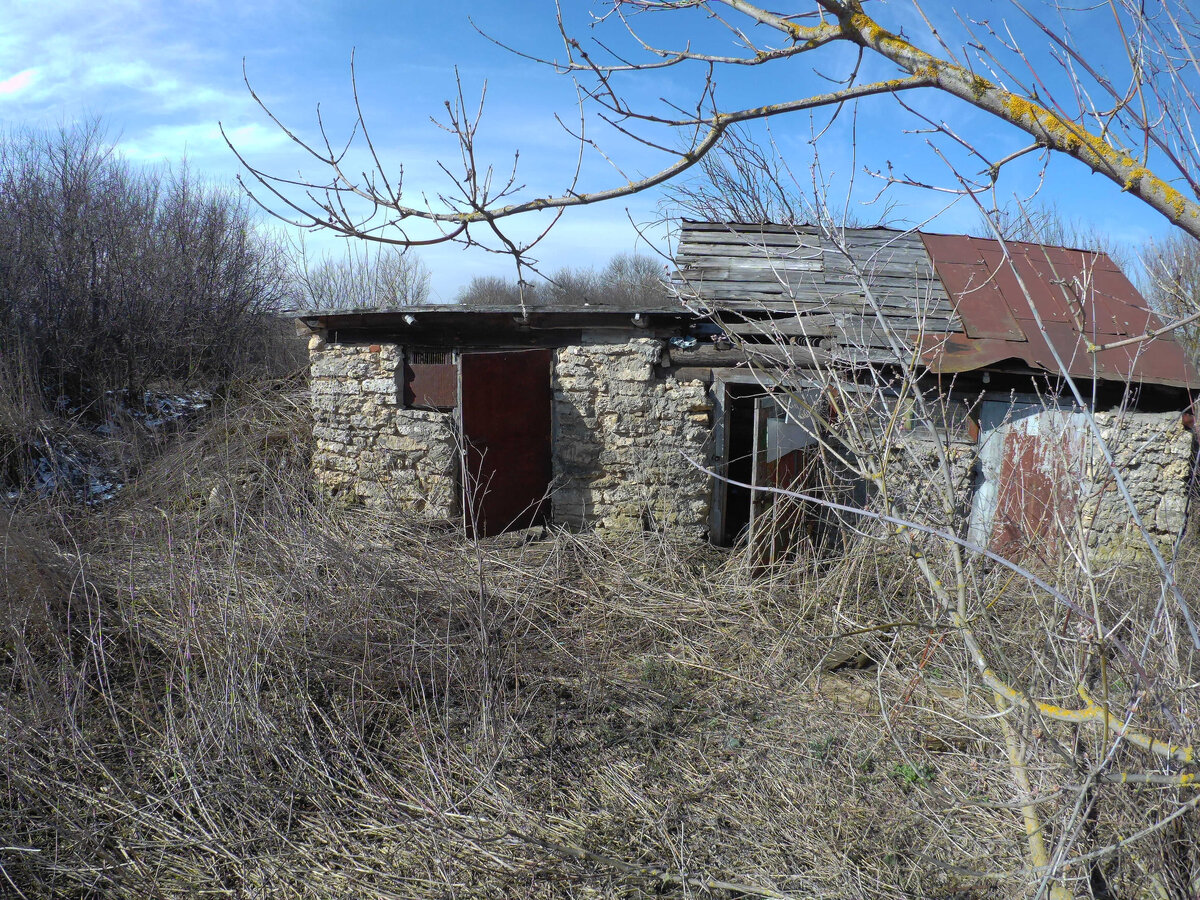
(505, 406)
(772, 443)
(739, 422)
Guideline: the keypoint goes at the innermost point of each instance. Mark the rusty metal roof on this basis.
(1080, 296)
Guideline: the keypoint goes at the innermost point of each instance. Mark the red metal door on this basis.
(506, 428)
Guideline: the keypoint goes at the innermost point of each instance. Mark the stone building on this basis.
(779, 351)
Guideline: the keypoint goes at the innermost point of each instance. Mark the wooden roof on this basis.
(958, 300)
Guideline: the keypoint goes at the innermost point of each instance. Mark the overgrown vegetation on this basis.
(1173, 284)
(366, 277)
(115, 280)
(222, 684)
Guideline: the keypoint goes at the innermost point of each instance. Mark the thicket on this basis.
(115, 281)
(364, 277)
(114, 277)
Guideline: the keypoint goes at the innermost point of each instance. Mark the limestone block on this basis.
(339, 387)
(326, 365)
(385, 386)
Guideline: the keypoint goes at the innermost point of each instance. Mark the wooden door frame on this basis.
(722, 378)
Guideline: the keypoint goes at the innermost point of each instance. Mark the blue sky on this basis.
(163, 74)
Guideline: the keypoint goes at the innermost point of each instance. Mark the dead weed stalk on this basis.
(252, 692)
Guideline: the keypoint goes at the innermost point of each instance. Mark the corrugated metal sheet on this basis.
(1031, 462)
(1081, 297)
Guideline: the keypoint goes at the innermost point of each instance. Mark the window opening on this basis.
(430, 378)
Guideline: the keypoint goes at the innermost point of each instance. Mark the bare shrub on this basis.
(382, 277)
(1173, 276)
(115, 277)
(628, 280)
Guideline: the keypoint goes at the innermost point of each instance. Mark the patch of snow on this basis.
(63, 468)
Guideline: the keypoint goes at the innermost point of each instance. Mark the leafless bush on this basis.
(740, 180)
(115, 277)
(382, 277)
(628, 280)
(1173, 276)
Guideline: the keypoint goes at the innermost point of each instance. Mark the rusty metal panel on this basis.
(991, 317)
(1030, 479)
(506, 429)
(1040, 278)
(433, 385)
(1080, 296)
(1116, 312)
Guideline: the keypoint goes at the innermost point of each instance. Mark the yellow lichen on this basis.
(1042, 123)
(980, 86)
(880, 37)
(1134, 176)
(1175, 200)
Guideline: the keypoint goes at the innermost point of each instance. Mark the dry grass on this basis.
(250, 692)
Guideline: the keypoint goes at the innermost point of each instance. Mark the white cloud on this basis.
(18, 83)
(201, 144)
(132, 61)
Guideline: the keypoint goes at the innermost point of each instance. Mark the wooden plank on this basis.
(861, 242)
(761, 298)
(820, 325)
(708, 250)
(799, 277)
(854, 305)
(891, 255)
(903, 281)
(807, 287)
(861, 356)
(873, 340)
(702, 252)
(884, 261)
(691, 373)
(718, 240)
(880, 268)
(869, 272)
(746, 228)
(864, 338)
(861, 245)
(709, 355)
(756, 267)
(745, 300)
(900, 318)
(844, 304)
(876, 237)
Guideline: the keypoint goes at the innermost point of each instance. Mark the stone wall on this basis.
(1154, 453)
(924, 488)
(624, 429)
(369, 448)
(622, 432)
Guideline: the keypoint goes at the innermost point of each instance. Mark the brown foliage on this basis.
(261, 693)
